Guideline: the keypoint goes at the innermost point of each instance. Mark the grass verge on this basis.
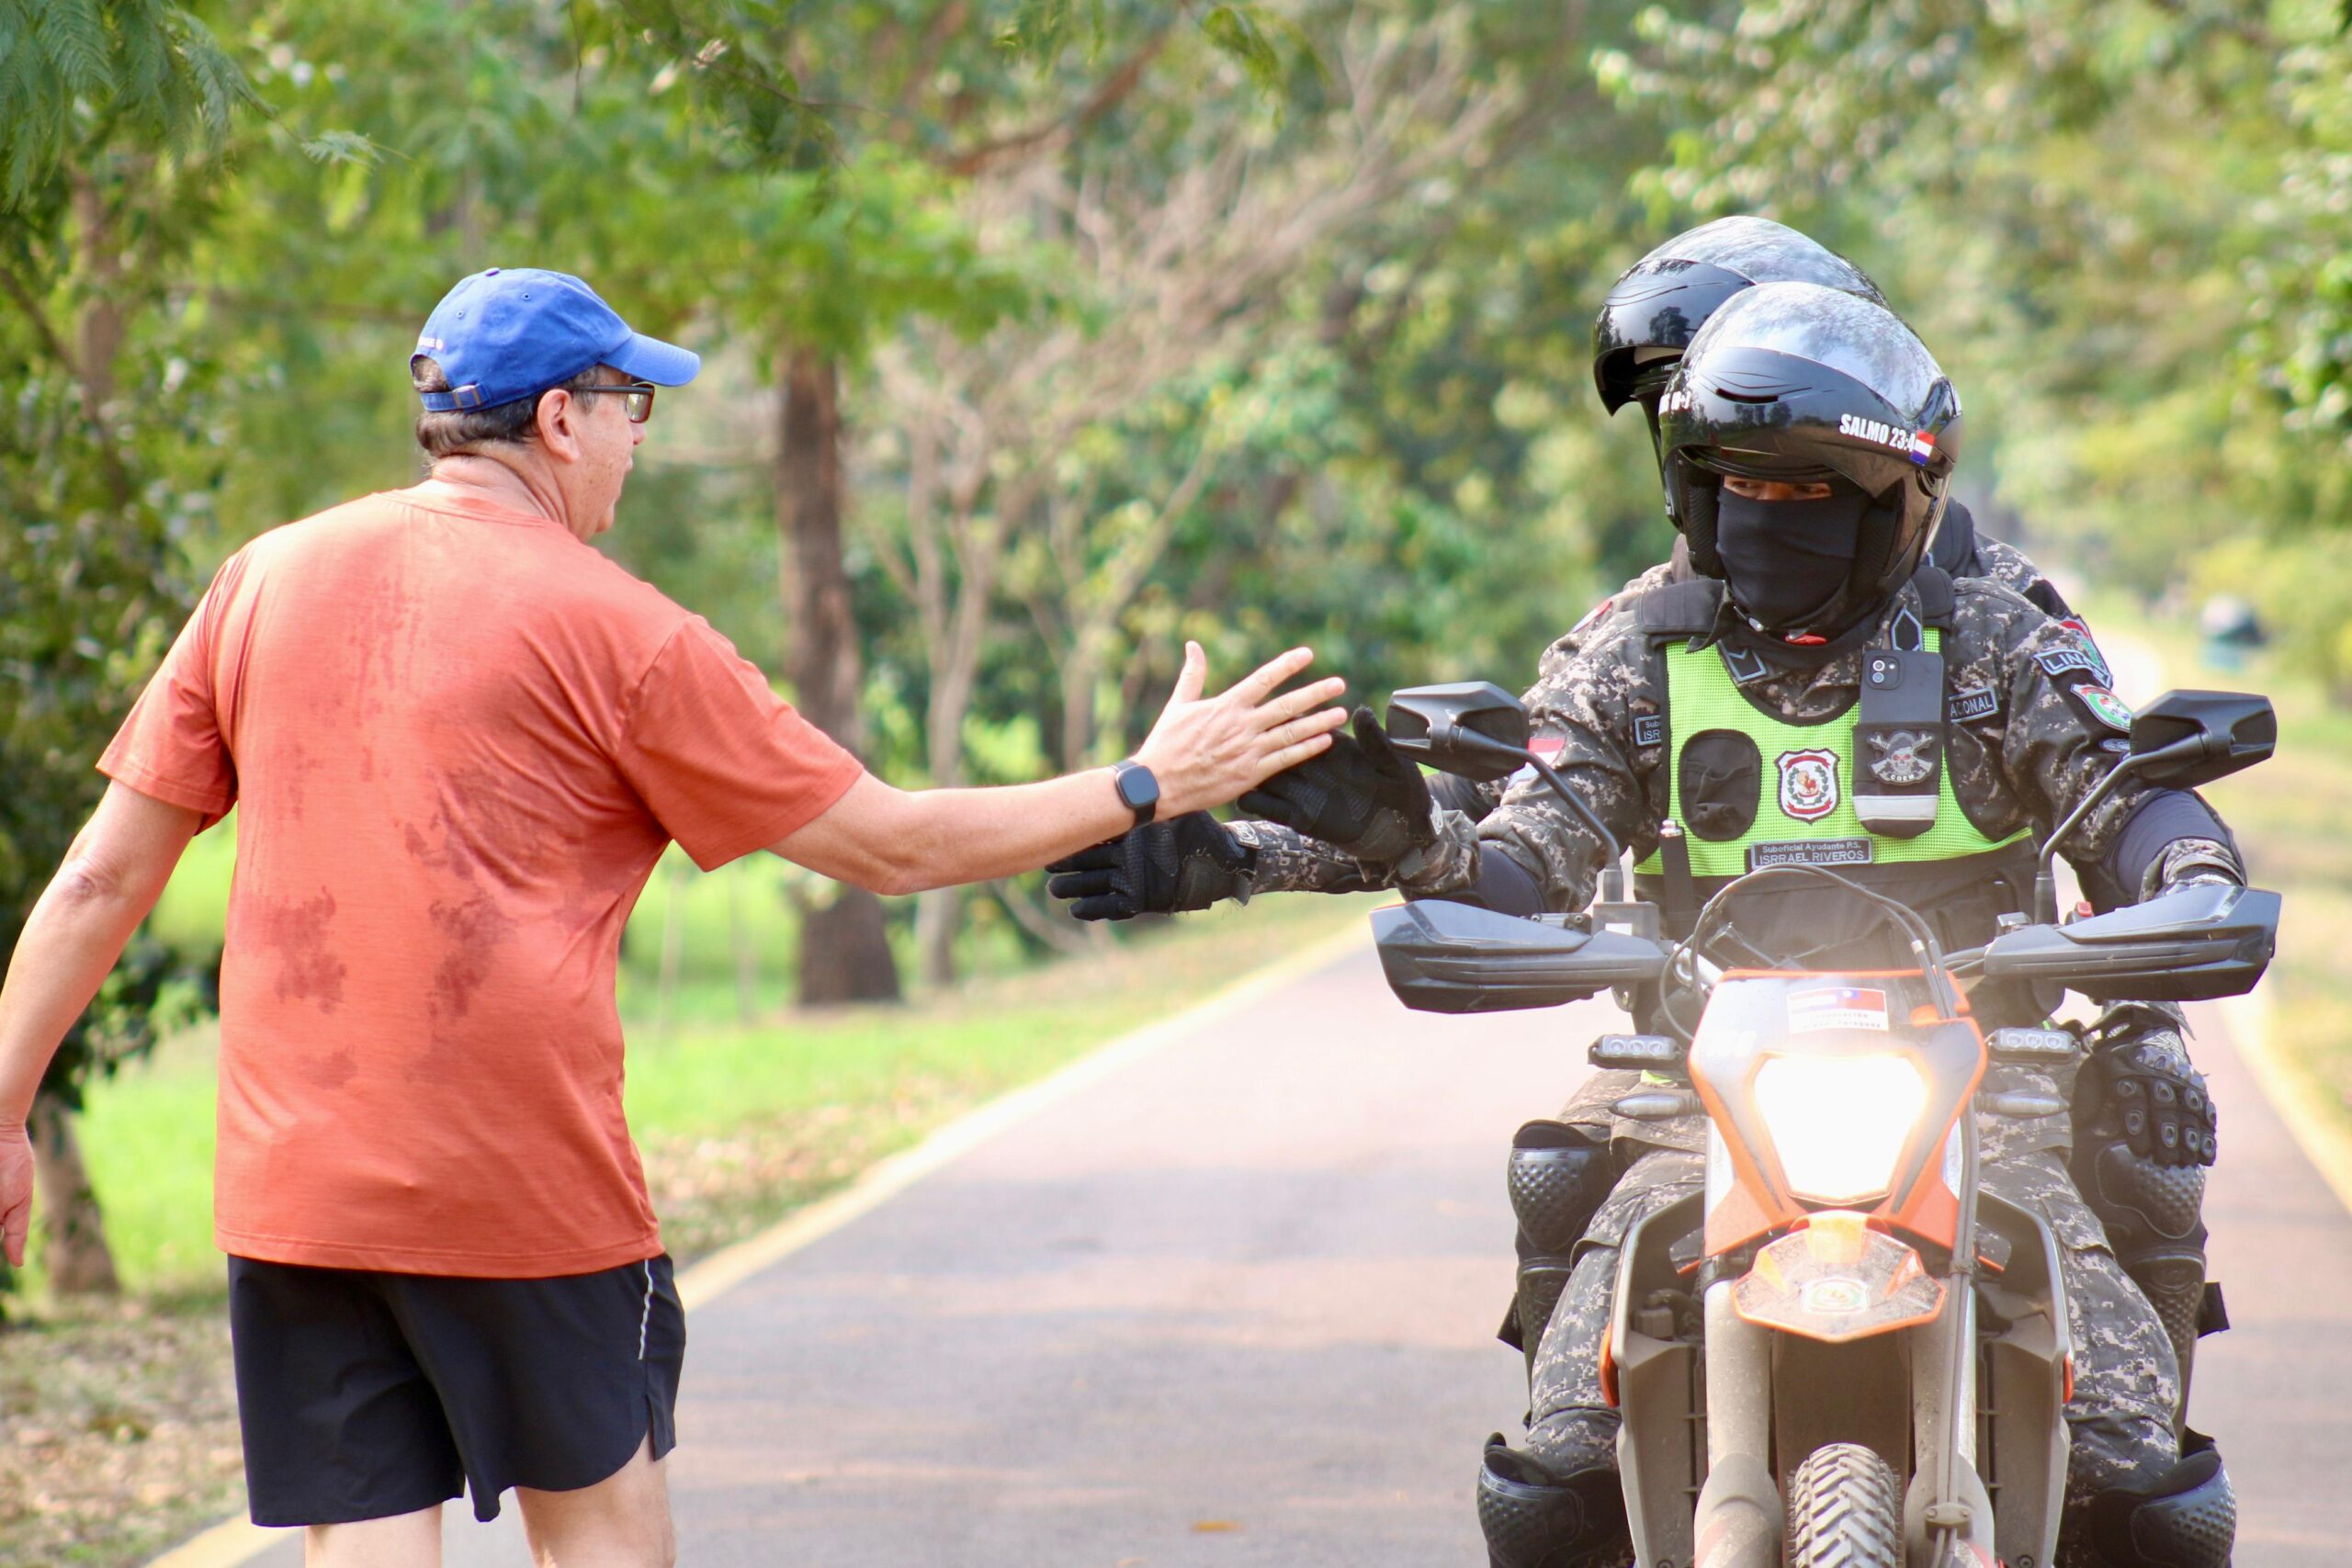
(117, 1432)
(2292, 816)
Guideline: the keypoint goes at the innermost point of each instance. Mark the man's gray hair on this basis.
(458, 431)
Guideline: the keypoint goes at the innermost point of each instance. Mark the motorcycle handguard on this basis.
(1442, 958)
(2200, 942)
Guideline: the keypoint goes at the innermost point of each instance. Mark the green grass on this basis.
(2293, 816)
(739, 1122)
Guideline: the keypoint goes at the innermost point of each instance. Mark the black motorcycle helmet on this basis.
(1801, 383)
(1658, 305)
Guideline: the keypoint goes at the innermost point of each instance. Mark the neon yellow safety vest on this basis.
(1805, 814)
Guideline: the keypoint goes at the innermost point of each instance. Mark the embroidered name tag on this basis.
(1818, 852)
(2068, 660)
(1977, 702)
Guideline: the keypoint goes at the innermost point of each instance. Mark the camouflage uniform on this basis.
(2023, 746)
(2031, 748)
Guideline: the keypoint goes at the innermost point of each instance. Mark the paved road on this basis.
(1232, 1306)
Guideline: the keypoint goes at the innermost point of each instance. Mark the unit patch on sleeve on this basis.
(1649, 730)
(1591, 615)
(1977, 702)
(1809, 783)
(2103, 705)
(2098, 660)
(1549, 748)
(2068, 659)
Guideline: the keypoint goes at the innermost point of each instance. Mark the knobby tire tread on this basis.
(1845, 1510)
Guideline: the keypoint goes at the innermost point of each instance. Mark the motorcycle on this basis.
(1843, 1351)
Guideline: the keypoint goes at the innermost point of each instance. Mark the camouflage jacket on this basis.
(2031, 732)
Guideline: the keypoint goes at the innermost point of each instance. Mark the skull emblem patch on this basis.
(1901, 762)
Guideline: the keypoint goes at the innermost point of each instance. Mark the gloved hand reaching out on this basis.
(1186, 862)
(1362, 795)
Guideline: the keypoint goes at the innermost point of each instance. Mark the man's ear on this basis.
(559, 418)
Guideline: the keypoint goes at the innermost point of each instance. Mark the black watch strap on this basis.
(1139, 789)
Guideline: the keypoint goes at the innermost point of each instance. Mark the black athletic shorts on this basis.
(365, 1396)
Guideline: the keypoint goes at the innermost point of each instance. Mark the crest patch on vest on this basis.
(1809, 783)
(1905, 757)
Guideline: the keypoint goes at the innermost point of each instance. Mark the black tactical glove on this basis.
(2137, 1087)
(1362, 795)
(1186, 862)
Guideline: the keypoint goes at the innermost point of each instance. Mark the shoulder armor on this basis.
(1955, 548)
(1937, 596)
(1688, 608)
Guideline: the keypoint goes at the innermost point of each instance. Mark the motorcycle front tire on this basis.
(1845, 1510)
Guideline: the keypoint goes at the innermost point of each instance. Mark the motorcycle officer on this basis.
(1808, 501)
(2149, 1199)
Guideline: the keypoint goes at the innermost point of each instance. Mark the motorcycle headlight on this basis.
(1839, 1122)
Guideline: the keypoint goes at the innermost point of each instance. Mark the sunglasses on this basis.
(639, 407)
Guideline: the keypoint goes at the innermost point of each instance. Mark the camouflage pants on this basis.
(2126, 1378)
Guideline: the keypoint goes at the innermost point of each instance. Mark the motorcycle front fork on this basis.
(1740, 1521)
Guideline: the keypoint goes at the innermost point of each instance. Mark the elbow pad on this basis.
(2167, 816)
(1503, 885)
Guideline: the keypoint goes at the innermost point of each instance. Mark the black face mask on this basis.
(1785, 560)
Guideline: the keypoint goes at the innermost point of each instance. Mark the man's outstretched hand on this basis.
(1158, 869)
(1362, 795)
(16, 1193)
(1205, 750)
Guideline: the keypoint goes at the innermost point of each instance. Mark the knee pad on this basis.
(2154, 1219)
(2187, 1519)
(1534, 1518)
(1558, 1176)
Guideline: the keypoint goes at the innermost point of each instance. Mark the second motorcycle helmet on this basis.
(1659, 304)
(1801, 383)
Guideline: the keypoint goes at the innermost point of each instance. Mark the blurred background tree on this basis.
(112, 113)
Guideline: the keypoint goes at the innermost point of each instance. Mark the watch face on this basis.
(1138, 788)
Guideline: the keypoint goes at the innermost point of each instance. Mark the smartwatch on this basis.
(1138, 791)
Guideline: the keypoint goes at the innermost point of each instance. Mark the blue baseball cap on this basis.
(511, 332)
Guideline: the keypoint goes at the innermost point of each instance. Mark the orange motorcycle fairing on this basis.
(1838, 1277)
(1756, 1015)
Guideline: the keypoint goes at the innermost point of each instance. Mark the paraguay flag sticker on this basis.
(1837, 1007)
(1923, 446)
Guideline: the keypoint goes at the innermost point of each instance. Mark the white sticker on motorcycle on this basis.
(1837, 1007)
(1809, 783)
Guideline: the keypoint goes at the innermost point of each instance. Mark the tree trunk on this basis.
(74, 1249)
(845, 950)
(937, 914)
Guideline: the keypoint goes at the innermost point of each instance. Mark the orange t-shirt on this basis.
(461, 739)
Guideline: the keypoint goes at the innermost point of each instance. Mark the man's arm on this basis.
(111, 878)
(1203, 752)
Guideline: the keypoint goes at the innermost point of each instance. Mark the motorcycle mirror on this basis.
(2232, 731)
(1473, 728)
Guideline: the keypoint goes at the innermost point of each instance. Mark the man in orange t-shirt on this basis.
(461, 737)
